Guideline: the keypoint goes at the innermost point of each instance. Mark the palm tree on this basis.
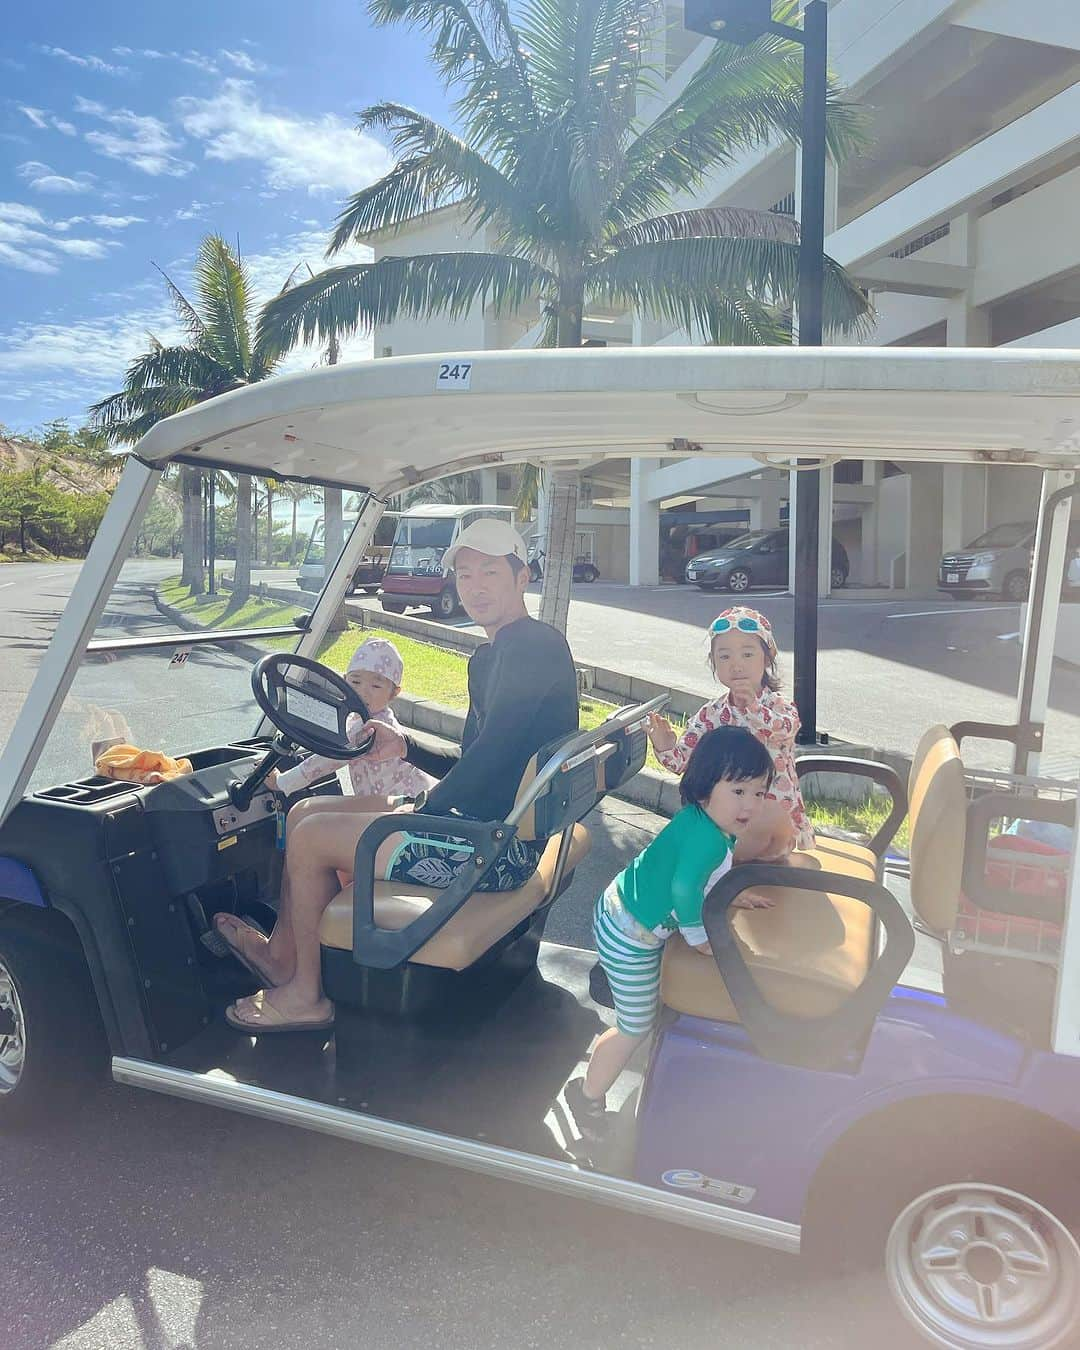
(574, 193)
(220, 354)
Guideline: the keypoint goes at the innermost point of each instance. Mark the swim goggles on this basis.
(745, 624)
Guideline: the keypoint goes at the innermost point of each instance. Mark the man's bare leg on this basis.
(325, 843)
(276, 956)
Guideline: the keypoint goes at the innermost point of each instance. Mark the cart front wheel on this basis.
(974, 1265)
(48, 1046)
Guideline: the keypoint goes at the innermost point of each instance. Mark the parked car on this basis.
(756, 559)
(999, 562)
(584, 568)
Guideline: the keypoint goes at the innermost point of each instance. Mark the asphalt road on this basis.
(152, 1224)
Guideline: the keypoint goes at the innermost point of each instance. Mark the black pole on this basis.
(212, 531)
(811, 286)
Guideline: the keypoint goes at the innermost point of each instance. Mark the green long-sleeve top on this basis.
(664, 888)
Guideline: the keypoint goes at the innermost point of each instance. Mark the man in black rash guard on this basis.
(522, 696)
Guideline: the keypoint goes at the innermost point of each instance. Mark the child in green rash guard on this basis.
(662, 891)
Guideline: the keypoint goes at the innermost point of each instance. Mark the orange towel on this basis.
(133, 765)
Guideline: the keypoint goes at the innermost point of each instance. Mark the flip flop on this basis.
(272, 1020)
(215, 941)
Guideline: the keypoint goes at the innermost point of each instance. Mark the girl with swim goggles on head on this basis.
(742, 655)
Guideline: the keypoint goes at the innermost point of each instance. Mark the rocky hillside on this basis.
(70, 473)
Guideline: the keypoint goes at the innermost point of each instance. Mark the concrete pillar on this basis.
(489, 487)
(765, 507)
(963, 504)
(924, 548)
(825, 515)
(644, 526)
(870, 526)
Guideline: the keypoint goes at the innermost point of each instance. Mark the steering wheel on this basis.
(309, 703)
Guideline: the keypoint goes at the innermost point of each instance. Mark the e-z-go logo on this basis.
(686, 1179)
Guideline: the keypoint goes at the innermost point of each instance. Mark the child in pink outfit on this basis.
(375, 672)
(742, 654)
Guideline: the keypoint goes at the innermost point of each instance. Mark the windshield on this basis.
(750, 540)
(178, 697)
(1002, 536)
(421, 543)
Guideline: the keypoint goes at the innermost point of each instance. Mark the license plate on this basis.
(691, 576)
(951, 578)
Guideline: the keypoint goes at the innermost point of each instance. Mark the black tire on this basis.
(1016, 587)
(839, 578)
(46, 1003)
(371, 590)
(392, 606)
(939, 1190)
(446, 604)
(738, 580)
(589, 573)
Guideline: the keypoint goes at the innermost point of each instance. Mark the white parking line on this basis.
(933, 613)
(4, 585)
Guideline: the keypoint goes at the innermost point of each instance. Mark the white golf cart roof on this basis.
(389, 424)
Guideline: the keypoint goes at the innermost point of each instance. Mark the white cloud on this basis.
(42, 119)
(67, 128)
(37, 116)
(28, 240)
(102, 222)
(43, 179)
(194, 211)
(242, 61)
(86, 62)
(199, 60)
(324, 154)
(143, 142)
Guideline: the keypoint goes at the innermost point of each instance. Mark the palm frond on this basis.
(189, 366)
(224, 296)
(342, 300)
(708, 222)
(436, 168)
(740, 98)
(186, 311)
(676, 279)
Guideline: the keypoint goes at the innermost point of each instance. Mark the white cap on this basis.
(497, 538)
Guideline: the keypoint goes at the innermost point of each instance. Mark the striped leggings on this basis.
(633, 971)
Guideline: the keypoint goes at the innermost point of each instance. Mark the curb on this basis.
(247, 649)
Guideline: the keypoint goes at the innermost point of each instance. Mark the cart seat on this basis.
(807, 954)
(484, 919)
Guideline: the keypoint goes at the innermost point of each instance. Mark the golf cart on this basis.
(885, 1066)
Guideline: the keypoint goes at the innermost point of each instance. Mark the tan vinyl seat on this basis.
(485, 917)
(807, 954)
(813, 950)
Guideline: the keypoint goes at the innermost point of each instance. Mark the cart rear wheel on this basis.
(976, 1265)
(49, 1044)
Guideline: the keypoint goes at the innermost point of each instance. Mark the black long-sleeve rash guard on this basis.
(522, 694)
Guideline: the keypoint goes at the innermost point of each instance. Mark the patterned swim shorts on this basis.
(435, 860)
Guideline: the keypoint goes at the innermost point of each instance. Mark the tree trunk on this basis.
(269, 525)
(334, 537)
(563, 483)
(192, 573)
(242, 571)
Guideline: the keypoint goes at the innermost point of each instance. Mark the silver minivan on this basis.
(997, 563)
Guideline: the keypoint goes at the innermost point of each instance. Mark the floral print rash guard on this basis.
(774, 721)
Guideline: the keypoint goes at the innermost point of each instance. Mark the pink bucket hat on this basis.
(744, 620)
(380, 657)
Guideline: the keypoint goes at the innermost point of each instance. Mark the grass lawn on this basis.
(212, 611)
(438, 675)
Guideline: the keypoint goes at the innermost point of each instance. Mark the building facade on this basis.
(960, 220)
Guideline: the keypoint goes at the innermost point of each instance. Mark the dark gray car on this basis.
(756, 559)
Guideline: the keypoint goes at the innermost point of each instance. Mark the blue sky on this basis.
(128, 131)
